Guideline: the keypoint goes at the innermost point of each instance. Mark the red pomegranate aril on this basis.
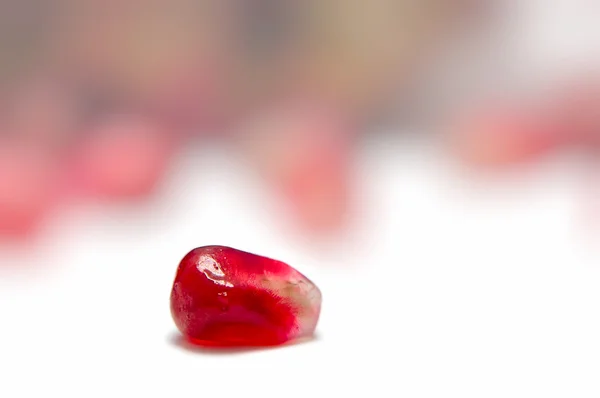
(227, 297)
(502, 137)
(28, 189)
(304, 151)
(122, 159)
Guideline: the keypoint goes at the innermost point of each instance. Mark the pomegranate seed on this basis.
(503, 137)
(226, 297)
(122, 159)
(304, 152)
(578, 109)
(28, 189)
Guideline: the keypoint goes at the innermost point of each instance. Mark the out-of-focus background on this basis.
(432, 165)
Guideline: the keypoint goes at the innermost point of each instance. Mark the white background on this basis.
(449, 286)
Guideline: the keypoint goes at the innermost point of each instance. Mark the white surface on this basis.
(450, 288)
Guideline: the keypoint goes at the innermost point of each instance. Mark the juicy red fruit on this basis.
(226, 297)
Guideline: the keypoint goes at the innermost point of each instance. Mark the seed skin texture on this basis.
(227, 297)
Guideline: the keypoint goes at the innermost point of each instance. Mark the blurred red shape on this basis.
(304, 151)
(28, 188)
(502, 136)
(121, 158)
(578, 108)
